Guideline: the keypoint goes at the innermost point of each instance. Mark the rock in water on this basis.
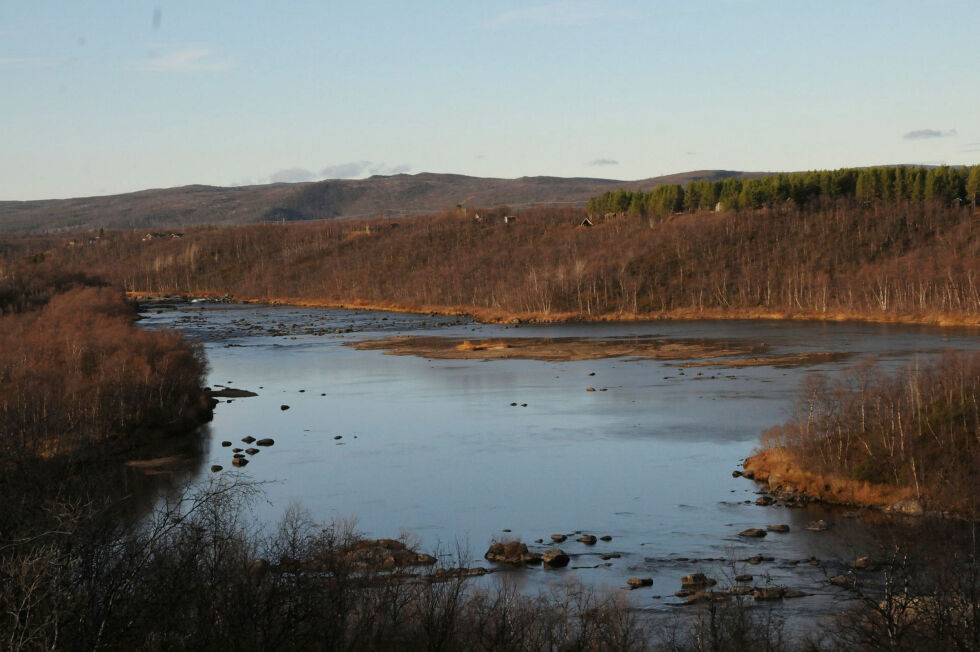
(696, 581)
(555, 558)
(510, 552)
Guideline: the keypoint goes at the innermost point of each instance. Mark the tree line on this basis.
(829, 258)
(944, 184)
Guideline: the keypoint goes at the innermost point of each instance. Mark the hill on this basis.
(400, 194)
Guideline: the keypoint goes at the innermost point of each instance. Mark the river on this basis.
(434, 447)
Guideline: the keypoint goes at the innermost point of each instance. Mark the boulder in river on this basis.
(587, 539)
(745, 577)
(378, 554)
(764, 501)
(639, 582)
(265, 442)
(753, 532)
(696, 581)
(781, 527)
(239, 461)
(216, 467)
(283, 407)
(231, 392)
(773, 593)
(558, 538)
(817, 526)
(555, 558)
(507, 552)
(226, 443)
(249, 439)
(864, 563)
(705, 596)
(251, 451)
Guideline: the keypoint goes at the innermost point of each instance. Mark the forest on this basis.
(947, 185)
(899, 260)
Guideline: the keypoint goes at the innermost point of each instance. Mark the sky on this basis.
(108, 96)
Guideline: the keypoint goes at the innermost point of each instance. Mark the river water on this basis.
(435, 449)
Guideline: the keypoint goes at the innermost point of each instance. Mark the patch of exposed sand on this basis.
(562, 349)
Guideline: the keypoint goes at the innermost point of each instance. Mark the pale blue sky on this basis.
(104, 97)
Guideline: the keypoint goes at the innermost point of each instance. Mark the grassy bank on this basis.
(906, 442)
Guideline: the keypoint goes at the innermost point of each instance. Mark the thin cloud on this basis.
(184, 59)
(603, 161)
(565, 13)
(923, 134)
(33, 62)
(292, 175)
(355, 169)
(345, 170)
(392, 169)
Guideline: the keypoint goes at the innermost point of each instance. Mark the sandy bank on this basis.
(562, 349)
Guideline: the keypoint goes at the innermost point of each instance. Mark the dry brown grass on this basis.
(778, 467)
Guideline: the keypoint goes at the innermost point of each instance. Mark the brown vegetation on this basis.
(74, 370)
(869, 438)
(909, 261)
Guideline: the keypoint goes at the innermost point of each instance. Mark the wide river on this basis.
(435, 448)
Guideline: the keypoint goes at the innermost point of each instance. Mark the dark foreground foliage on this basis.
(195, 574)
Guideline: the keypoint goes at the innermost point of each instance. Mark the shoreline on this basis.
(496, 316)
(788, 481)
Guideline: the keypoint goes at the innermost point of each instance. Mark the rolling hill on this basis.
(400, 194)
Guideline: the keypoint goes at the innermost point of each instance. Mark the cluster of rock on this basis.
(515, 553)
(239, 458)
(694, 590)
(383, 554)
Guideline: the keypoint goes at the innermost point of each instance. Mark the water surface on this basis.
(435, 448)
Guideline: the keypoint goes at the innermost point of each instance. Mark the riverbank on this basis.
(497, 316)
(786, 479)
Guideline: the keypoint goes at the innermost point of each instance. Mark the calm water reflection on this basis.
(434, 447)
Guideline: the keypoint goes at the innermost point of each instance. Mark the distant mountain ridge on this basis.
(396, 195)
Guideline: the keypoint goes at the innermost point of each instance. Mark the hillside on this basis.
(401, 194)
